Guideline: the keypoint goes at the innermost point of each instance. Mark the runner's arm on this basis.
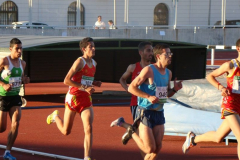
(224, 68)
(77, 66)
(170, 90)
(25, 78)
(227, 67)
(3, 63)
(144, 75)
(176, 85)
(126, 75)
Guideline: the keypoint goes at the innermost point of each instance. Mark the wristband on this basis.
(218, 85)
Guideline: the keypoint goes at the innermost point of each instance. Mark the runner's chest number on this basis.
(86, 80)
(236, 85)
(15, 81)
(161, 93)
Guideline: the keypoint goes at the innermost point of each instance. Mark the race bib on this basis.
(161, 94)
(15, 82)
(87, 80)
(236, 85)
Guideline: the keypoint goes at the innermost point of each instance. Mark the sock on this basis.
(192, 140)
(7, 151)
(120, 124)
(54, 116)
(87, 158)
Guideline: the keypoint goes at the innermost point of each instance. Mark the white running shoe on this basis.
(117, 122)
(188, 143)
(24, 102)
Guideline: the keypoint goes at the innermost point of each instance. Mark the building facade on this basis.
(125, 12)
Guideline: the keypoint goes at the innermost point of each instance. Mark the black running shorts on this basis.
(7, 102)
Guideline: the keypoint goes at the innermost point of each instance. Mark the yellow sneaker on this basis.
(51, 117)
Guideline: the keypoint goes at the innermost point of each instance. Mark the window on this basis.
(8, 13)
(72, 14)
(161, 14)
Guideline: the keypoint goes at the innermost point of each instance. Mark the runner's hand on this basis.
(90, 89)
(177, 85)
(97, 83)
(26, 79)
(7, 87)
(153, 99)
(225, 92)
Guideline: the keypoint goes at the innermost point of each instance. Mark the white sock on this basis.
(54, 116)
(86, 158)
(7, 151)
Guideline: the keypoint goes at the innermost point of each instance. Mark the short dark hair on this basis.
(110, 21)
(142, 45)
(238, 43)
(158, 49)
(99, 16)
(15, 41)
(84, 42)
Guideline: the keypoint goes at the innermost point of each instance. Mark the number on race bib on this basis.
(236, 85)
(86, 80)
(161, 93)
(15, 82)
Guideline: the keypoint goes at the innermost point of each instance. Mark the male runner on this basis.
(12, 77)
(80, 79)
(152, 87)
(145, 50)
(230, 108)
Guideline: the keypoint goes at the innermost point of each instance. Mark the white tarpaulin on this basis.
(200, 94)
(196, 107)
(181, 119)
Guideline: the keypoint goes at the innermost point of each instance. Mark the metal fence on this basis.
(205, 35)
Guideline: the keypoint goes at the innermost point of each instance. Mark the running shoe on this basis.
(127, 135)
(8, 156)
(117, 122)
(24, 102)
(51, 117)
(136, 123)
(188, 143)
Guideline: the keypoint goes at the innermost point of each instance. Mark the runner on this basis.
(12, 77)
(152, 86)
(80, 79)
(230, 108)
(145, 50)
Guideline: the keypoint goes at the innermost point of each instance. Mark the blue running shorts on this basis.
(149, 118)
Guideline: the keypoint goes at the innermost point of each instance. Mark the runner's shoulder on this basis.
(4, 61)
(131, 67)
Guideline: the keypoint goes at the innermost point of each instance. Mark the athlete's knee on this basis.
(88, 129)
(66, 132)
(150, 149)
(158, 148)
(218, 139)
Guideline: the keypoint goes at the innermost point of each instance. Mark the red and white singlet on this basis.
(76, 98)
(232, 103)
(135, 73)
